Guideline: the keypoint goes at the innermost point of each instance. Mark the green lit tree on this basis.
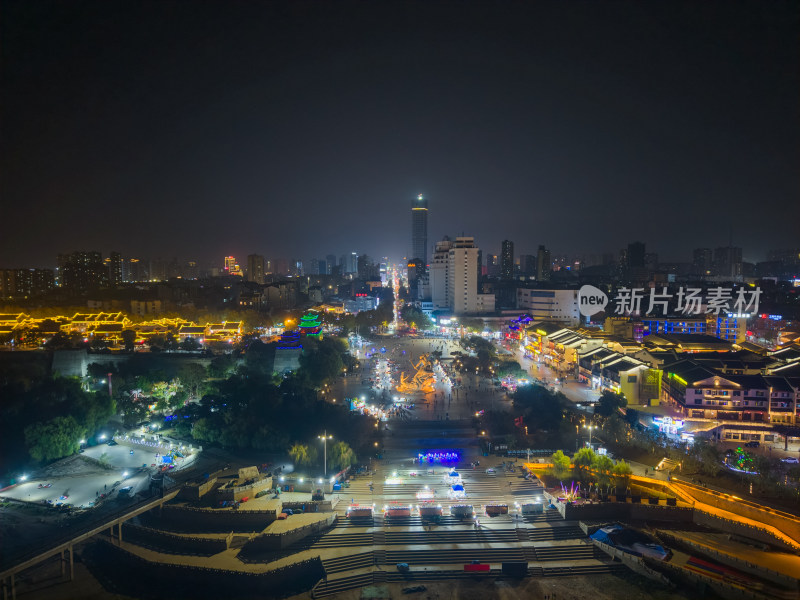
(560, 465)
(622, 474)
(603, 468)
(583, 460)
(53, 439)
(303, 454)
(341, 455)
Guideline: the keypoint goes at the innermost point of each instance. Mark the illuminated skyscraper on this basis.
(255, 268)
(543, 264)
(507, 259)
(419, 229)
(114, 262)
(232, 267)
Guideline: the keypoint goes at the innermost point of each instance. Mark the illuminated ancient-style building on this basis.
(310, 325)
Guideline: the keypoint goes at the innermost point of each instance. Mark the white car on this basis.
(791, 460)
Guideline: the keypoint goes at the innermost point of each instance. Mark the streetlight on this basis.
(325, 437)
(590, 427)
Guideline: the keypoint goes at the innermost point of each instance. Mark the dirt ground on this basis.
(46, 583)
(627, 586)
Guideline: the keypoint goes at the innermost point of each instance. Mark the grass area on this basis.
(740, 486)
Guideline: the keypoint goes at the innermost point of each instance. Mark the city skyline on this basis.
(231, 365)
(540, 124)
(516, 258)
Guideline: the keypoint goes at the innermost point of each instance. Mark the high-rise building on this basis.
(454, 278)
(318, 266)
(366, 269)
(462, 279)
(789, 258)
(296, 269)
(330, 263)
(114, 262)
(507, 259)
(527, 265)
(134, 270)
(281, 267)
(158, 269)
(728, 262)
(419, 229)
(415, 272)
(635, 258)
(438, 273)
(544, 265)
(550, 305)
(492, 265)
(190, 270)
(255, 268)
(232, 267)
(83, 272)
(26, 283)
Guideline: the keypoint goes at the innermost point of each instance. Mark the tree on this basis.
(302, 454)
(322, 361)
(193, 377)
(133, 411)
(178, 399)
(221, 366)
(205, 431)
(708, 456)
(157, 342)
(622, 474)
(93, 410)
(415, 317)
(104, 460)
(603, 467)
(171, 341)
(56, 438)
(509, 367)
(583, 460)
(609, 404)
(539, 406)
(62, 341)
(190, 344)
(560, 465)
(341, 455)
(129, 339)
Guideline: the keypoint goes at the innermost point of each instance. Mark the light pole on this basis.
(590, 427)
(325, 437)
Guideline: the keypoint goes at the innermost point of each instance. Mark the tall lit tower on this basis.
(232, 267)
(507, 260)
(419, 229)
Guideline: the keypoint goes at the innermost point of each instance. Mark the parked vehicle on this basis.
(496, 509)
(359, 511)
(462, 511)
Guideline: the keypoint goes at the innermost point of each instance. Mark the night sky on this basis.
(198, 129)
